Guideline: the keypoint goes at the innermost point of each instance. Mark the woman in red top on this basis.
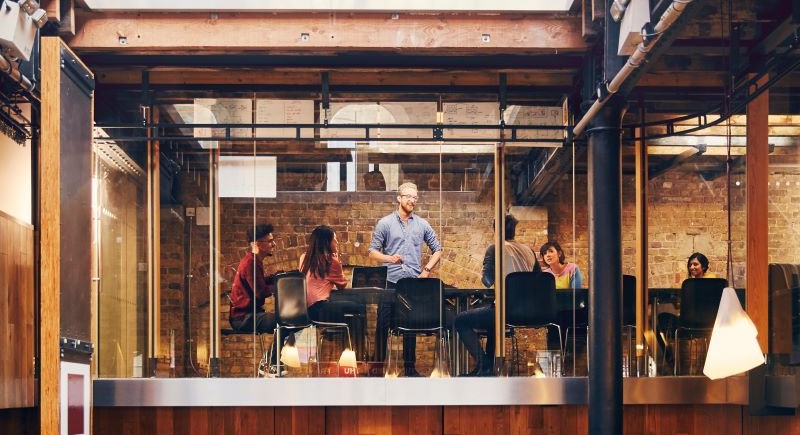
(320, 263)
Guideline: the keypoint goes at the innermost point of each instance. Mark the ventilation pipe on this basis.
(650, 35)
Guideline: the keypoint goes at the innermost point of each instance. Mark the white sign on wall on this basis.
(248, 176)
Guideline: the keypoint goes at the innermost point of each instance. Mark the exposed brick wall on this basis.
(680, 202)
(686, 214)
(784, 218)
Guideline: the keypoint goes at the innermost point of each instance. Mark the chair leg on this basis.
(318, 337)
(263, 363)
(558, 368)
(441, 357)
(390, 370)
(514, 353)
(676, 354)
(278, 348)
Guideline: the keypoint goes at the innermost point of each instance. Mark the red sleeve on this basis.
(336, 274)
(264, 285)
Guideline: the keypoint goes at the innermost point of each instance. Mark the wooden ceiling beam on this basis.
(231, 33)
(340, 77)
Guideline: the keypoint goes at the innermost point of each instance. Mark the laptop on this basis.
(374, 276)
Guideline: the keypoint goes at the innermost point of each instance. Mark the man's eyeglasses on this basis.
(414, 197)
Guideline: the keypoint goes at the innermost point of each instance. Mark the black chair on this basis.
(369, 276)
(291, 311)
(531, 303)
(699, 303)
(419, 310)
(628, 320)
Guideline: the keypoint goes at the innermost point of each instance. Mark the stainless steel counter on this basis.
(203, 392)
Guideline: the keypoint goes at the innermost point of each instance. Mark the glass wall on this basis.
(784, 225)
(226, 166)
(695, 205)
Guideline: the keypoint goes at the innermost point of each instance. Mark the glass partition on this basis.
(119, 211)
(692, 197)
(225, 167)
(783, 242)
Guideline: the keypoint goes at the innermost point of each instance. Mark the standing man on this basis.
(251, 287)
(397, 242)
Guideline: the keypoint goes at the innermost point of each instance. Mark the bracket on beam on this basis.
(326, 95)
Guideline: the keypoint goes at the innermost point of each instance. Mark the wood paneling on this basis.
(449, 420)
(50, 245)
(757, 206)
(16, 313)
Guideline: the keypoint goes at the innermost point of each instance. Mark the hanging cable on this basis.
(728, 161)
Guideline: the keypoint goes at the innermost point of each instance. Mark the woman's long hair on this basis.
(319, 254)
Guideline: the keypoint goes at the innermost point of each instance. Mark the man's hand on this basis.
(424, 274)
(394, 259)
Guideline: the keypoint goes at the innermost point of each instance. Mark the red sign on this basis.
(327, 369)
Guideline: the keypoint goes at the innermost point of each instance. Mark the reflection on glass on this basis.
(119, 194)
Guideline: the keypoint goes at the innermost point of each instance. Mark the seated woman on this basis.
(517, 257)
(697, 266)
(320, 263)
(567, 274)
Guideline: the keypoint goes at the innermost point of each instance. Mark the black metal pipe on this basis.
(605, 249)
(605, 278)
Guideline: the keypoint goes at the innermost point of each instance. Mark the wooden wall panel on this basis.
(16, 313)
(435, 420)
(19, 421)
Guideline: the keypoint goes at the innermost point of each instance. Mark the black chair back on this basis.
(418, 304)
(628, 300)
(290, 299)
(531, 299)
(369, 276)
(699, 302)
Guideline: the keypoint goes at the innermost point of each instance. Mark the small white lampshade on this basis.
(290, 356)
(734, 347)
(348, 359)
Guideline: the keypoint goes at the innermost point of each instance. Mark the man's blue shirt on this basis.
(392, 237)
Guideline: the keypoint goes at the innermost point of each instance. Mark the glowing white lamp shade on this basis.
(290, 356)
(348, 358)
(734, 347)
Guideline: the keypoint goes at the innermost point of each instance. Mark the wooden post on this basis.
(153, 245)
(50, 244)
(757, 264)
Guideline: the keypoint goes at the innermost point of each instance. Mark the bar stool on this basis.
(263, 363)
